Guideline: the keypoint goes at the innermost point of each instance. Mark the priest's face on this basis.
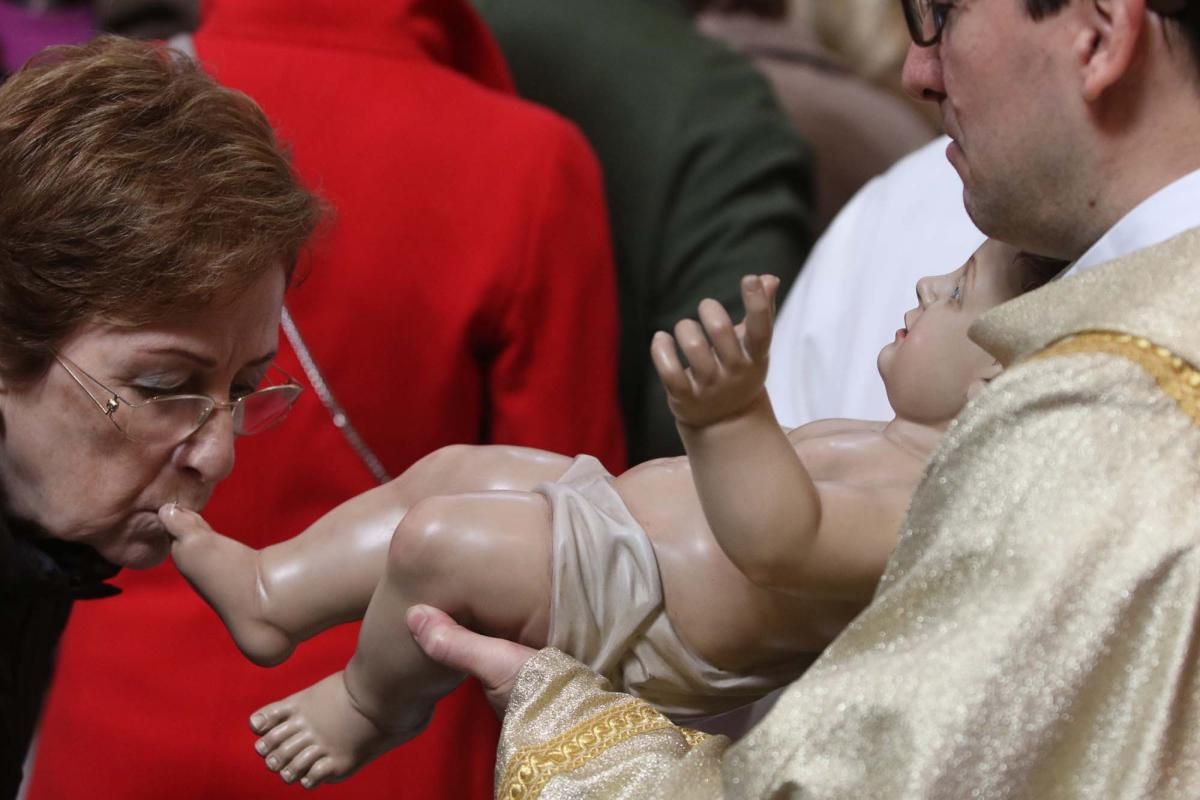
(931, 365)
(1007, 88)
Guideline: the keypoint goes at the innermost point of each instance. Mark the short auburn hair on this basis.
(132, 187)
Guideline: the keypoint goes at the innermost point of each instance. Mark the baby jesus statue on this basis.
(698, 583)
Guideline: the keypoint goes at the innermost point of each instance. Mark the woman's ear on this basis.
(1107, 42)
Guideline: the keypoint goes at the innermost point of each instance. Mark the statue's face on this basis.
(931, 365)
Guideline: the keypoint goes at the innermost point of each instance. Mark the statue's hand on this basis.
(727, 363)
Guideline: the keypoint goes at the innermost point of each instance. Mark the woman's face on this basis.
(66, 467)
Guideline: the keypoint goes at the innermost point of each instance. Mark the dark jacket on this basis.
(706, 179)
(40, 579)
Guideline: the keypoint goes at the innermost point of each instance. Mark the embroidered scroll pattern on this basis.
(531, 768)
(1179, 379)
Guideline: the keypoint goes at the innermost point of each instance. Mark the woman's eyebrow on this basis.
(263, 360)
(203, 360)
(180, 352)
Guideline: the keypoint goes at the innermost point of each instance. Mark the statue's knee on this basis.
(445, 460)
(421, 542)
(453, 454)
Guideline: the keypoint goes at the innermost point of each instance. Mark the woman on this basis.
(149, 224)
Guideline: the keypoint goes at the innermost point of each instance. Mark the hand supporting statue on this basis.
(728, 368)
(494, 662)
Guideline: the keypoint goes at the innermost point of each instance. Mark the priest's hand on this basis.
(495, 662)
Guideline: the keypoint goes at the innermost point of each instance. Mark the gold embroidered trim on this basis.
(694, 737)
(531, 768)
(1179, 379)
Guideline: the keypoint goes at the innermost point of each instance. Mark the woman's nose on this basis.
(209, 451)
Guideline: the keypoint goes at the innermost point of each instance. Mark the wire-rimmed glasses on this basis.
(171, 418)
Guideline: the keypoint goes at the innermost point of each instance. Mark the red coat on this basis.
(464, 293)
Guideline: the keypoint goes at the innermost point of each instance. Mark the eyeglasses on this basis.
(927, 18)
(169, 419)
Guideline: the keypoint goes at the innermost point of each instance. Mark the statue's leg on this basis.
(483, 558)
(267, 599)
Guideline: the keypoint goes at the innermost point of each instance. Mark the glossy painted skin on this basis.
(930, 366)
(470, 538)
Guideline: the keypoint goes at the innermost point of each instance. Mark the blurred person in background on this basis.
(147, 19)
(705, 177)
(857, 128)
(27, 26)
(870, 37)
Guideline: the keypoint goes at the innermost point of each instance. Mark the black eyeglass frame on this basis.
(914, 18)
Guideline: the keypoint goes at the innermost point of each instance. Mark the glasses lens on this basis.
(264, 409)
(164, 419)
(924, 19)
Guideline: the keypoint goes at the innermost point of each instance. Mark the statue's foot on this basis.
(319, 735)
(225, 573)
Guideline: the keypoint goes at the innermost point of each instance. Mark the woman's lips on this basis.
(900, 334)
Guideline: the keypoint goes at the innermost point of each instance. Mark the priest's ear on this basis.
(1106, 42)
(983, 379)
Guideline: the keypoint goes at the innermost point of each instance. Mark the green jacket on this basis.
(706, 179)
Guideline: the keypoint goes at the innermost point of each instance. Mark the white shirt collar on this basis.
(1168, 212)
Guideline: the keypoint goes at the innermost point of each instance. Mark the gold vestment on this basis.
(1035, 633)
